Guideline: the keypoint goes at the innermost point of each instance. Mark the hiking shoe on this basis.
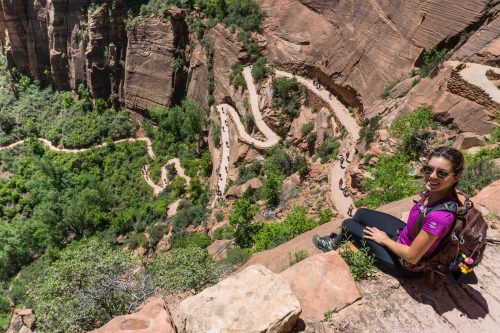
(325, 244)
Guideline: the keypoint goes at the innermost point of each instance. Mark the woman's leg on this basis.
(386, 260)
(382, 221)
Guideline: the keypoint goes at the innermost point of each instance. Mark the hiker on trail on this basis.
(349, 210)
(355, 150)
(345, 191)
(341, 159)
(397, 245)
(341, 181)
(347, 156)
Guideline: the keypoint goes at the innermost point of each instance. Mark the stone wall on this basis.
(458, 86)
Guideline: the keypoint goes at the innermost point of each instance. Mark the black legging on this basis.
(386, 260)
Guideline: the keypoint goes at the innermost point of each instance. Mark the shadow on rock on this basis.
(444, 297)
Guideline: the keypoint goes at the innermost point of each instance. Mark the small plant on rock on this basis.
(360, 262)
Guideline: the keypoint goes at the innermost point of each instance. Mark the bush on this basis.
(236, 77)
(189, 214)
(368, 129)
(328, 150)
(88, 285)
(361, 262)
(192, 239)
(240, 219)
(260, 70)
(224, 233)
(306, 129)
(432, 59)
(156, 233)
(387, 89)
(184, 269)
(4, 305)
(286, 95)
(297, 256)
(479, 172)
(391, 181)
(413, 130)
(237, 257)
(273, 234)
(272, 187)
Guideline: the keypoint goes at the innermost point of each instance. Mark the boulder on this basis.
(322, 283)
(22, 321)
(218, 249)
(488, 198)
(403, 87)
(238, 191)
(278, 258)
(254, 300)
(153, 317)
(466, 140)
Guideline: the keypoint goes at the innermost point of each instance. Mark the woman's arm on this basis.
(412, 253)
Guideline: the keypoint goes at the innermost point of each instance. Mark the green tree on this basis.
(88, 285)
(184, 269)
(272, 187)
(240, 218)
(260, 70)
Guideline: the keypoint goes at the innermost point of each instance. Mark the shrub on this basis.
(272, 187)
(368, 129)
(236, 77)
(184, 269)
(297, 256)
(89, 284)
(387, 89)
(224, 233)
(328, 150)
(192, 239)
(219, 215)
(361, 262)
(4, 305)
(240, 219)
(260, 70)
(306, 129)
(273, 234)
(248, 171)
(479, 172)
(286, 95)
(413, 130)
(432, 59)
(391, 181)
(189, 214)
(156, 233)
(237, 257)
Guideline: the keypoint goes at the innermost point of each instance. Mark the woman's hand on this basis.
(374, 234)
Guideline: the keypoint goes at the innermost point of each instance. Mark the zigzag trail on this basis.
(338, 199)
(157, 189)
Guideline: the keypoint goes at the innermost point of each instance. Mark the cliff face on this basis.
(353, 47)
(357, 47)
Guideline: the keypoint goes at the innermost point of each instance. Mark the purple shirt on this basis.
(436, 222)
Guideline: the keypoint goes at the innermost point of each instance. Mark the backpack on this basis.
(463, 247)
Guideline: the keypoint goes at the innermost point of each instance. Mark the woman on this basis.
(381, 230)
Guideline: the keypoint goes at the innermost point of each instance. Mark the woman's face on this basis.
(439, 175)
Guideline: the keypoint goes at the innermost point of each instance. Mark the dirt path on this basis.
(157, 188)
(339, 200)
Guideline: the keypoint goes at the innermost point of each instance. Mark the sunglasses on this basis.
(428, 170)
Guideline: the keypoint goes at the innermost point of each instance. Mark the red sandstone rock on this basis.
(322, 283)
(488, 198)
(154, 317)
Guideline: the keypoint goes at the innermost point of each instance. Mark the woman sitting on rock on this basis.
(389, 246)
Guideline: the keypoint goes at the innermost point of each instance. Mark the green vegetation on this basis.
(390, 181)
(236, 77)
(286, 95)
(249, 171)
(272, 187)
(432, 58)
(192, 239)
(297, 256)
(361, 262)
(414, 131)
(273, 234)
(368, 129)
(260, 70)
(329, 315)
(237, 257)
(224, 233)
(240, 219)
(56, 116)
(88, 284)
(306, 129)
(328, 150)
(495, 134)
(285, 162)
(184, 269)
(479, 171)
(387, 89)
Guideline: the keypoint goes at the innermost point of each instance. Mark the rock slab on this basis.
(322, 283)
(254, 300)
(154, 317)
